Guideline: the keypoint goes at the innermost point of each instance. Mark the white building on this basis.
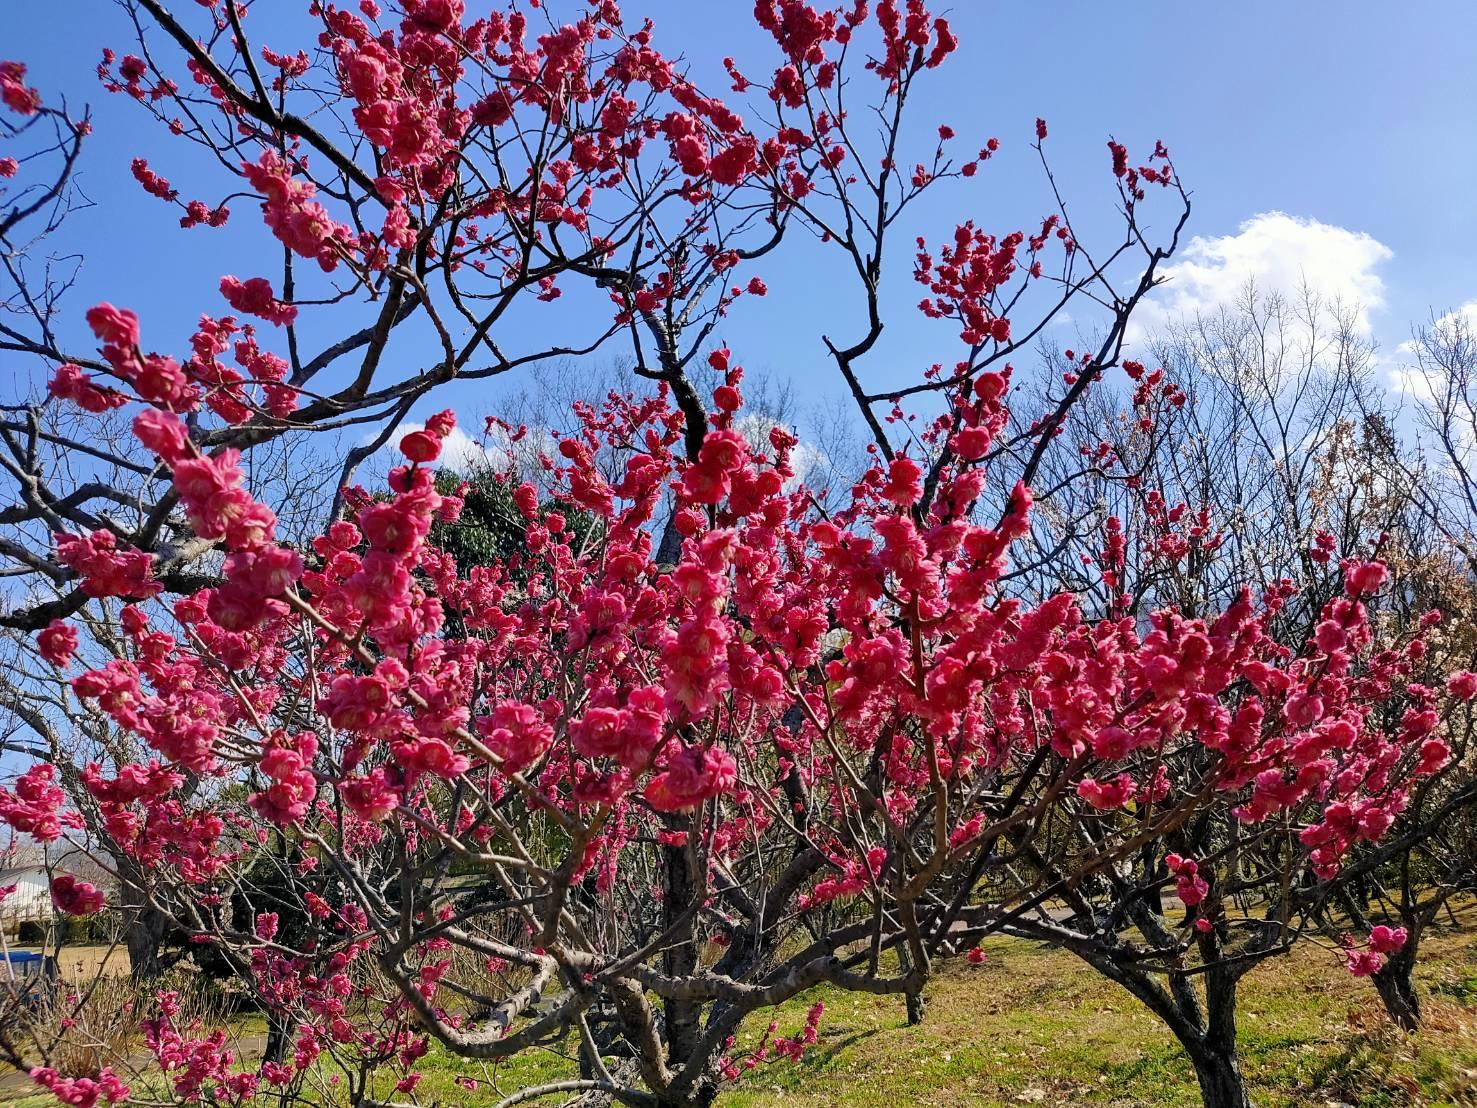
(29, 902)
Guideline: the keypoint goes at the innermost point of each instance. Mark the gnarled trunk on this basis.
(1216, 1065)
(144, 926)
(1396, 985)
(280, 1032)
(143, 935)
(682, 1018)
(917, 1007)
(1211, 1042)
(1205, 1027)
(1219, 1074)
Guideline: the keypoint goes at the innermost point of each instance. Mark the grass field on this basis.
(1034, 1026)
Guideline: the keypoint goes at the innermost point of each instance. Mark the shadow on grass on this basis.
(821, 1060)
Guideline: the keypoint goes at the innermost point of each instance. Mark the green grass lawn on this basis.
(1033, 1025)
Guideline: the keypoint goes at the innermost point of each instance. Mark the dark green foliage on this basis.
(491, 528)
(271, 885)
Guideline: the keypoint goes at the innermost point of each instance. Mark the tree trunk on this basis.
(916, 1005)
(144, 926)
(280, 1032)
(1397, 988)
(1355, 912)
(704, 1096)
(1213, 1053)
(1219, 1074)
(628, 1074)
(143, 935)
(680, 958)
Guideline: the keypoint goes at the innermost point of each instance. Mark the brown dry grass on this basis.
(83, 963)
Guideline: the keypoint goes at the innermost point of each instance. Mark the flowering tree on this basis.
(1429, 855)
(463, 171)
(1277, 438)
(606, 717)
(1277, 470)
(635, 780)
(1207, 898)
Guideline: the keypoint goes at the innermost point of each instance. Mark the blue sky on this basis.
(1357, 117)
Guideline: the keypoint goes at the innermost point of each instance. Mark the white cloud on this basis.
(806, 459)
(495, 448)
(459, 451)
(1278, 253)
(1413, 382)
(1420, 380)
(1465, 316)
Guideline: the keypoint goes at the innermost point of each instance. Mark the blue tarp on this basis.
(25, 972)
(21, 968)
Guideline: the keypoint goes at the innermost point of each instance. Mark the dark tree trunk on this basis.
(680, 958)
(1396, 985)
(1355, 912)
(144, 935)
(144, 926)
(1212, 1045)
(1219, 1074)
(704, 1096)
(917, 1006)
(1216, 1065)
(280, 1030)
